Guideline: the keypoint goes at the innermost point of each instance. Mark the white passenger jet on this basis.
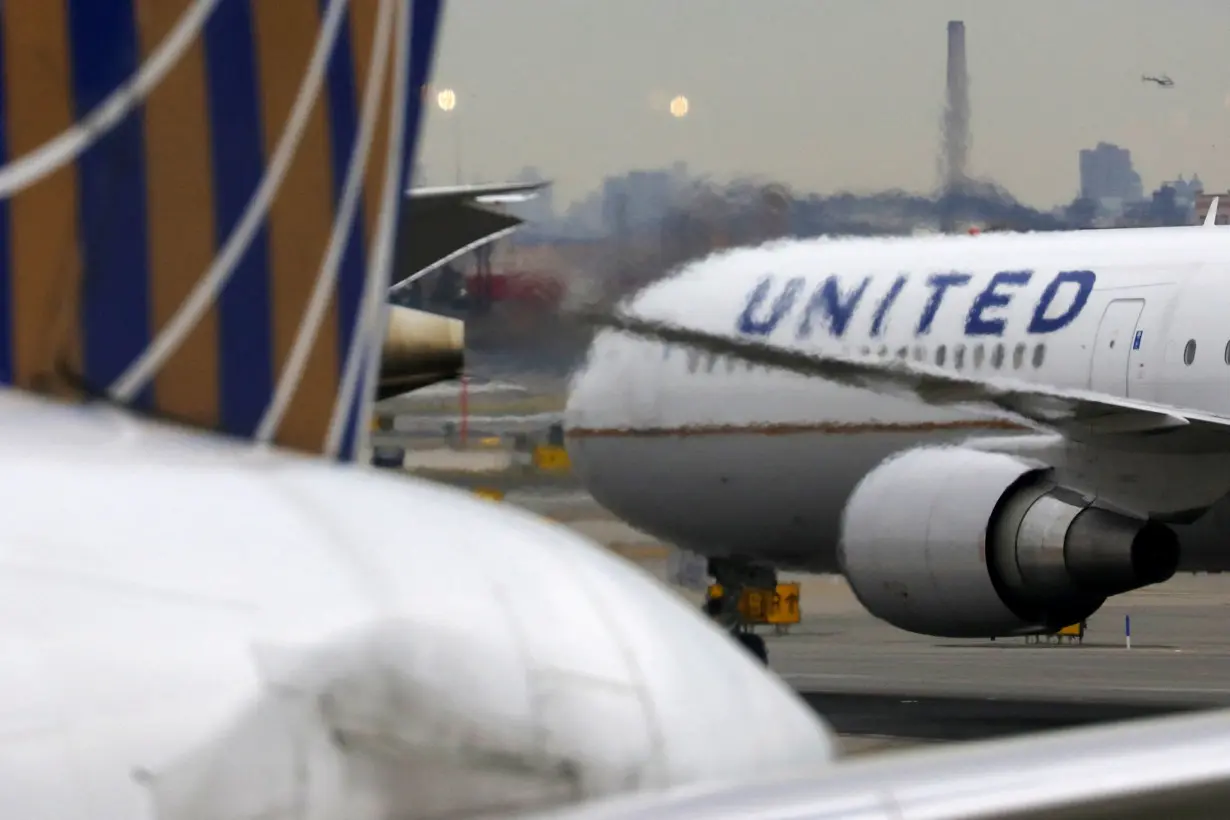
(986, 435)
(196, 627)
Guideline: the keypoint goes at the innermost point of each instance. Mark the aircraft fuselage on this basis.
(724, 458)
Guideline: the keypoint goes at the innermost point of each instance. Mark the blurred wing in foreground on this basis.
(1173, 767)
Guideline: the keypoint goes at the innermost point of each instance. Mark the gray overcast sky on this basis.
(830, 94)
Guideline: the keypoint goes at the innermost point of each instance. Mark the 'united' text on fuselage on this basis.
(833, 304)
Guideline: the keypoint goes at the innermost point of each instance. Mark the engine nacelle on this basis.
(419, 349)
(959, 543)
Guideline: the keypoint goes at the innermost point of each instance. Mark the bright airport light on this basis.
(447, 99)
(679, 107)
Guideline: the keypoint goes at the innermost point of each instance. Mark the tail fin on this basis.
(1210, 217)
(198, 204)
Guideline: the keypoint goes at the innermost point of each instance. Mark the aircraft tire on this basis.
(753, 643)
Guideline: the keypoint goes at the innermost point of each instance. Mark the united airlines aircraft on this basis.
(987, 435)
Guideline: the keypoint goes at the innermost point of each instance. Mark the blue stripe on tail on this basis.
(245, 335)
(115, 278)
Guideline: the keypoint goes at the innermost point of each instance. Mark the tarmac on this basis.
(880, 687)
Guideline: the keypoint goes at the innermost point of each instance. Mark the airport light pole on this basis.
(679, 107)
(446, 101)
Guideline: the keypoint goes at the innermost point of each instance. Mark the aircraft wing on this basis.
(484, 192)
(1080, 415)
(1175, 767)
(441, 224)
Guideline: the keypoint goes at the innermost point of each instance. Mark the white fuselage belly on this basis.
(727, 459)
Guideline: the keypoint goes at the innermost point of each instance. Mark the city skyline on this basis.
(829, 97)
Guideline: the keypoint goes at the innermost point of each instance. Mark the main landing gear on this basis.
(734, 575)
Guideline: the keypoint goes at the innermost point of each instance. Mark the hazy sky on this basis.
(830, 94)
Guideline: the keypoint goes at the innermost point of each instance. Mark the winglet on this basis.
(1210, 219)
(198, 220)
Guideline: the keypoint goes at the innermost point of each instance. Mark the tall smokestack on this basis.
(956, 122)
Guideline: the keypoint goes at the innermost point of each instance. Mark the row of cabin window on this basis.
(978, 354)
(1189, 352)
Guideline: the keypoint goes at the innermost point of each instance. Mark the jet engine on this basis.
(419, 349)
(961, 543)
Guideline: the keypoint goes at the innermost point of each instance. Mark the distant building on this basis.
(1187, 190)
(1185, 193)
(1223, 208)
(639, 199)
(1108, 178)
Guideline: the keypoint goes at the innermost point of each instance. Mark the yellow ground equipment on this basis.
(1073, 633)
(779, 607)
(551, 458)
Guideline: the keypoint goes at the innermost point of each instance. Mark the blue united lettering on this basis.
(755, 320)
(995, 295)
(881, 314)
(836, 303)
(1046, 320)
(939, 284)
(834, 307)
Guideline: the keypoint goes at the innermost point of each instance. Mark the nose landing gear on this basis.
(733, 576)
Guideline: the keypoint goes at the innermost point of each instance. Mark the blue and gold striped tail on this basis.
(198, 201)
